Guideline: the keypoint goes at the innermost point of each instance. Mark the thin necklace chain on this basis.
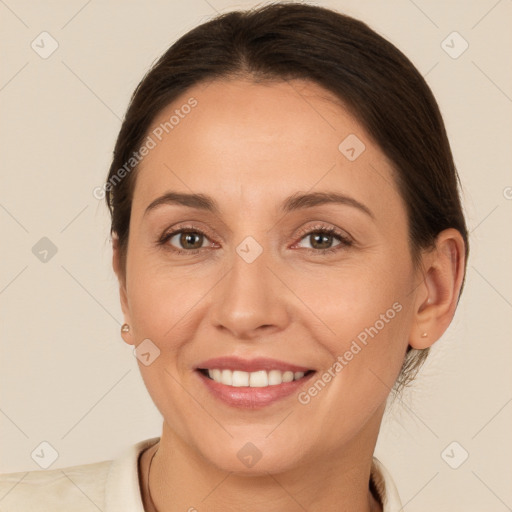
(147, 484)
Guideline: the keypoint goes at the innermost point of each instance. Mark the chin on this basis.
(248, 457)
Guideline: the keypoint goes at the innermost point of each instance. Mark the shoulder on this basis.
(78, 488)
(383, 485)
(109, 486)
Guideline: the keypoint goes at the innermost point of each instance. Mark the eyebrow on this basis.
(295, 202)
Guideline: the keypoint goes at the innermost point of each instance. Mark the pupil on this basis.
(322, 236)
(187, 238)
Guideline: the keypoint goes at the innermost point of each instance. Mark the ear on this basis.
(121, 277)
(438, 292)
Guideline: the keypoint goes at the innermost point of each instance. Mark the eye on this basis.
(185, 240)
(321, 240)
(190, 240)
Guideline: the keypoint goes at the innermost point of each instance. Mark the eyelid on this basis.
(325, 228)
(185, 227)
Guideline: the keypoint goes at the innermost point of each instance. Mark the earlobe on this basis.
(439, 292)
(125, 328)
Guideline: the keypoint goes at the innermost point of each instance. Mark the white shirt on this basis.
(113, 486)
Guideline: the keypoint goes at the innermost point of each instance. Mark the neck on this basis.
(180, 479)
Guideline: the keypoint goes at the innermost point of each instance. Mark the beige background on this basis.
(67, 378)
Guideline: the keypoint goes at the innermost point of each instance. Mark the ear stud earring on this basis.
(125, 328)
(424, 335)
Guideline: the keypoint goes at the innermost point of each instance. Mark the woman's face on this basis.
(256, 278)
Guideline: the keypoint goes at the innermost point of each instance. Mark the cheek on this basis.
(162, 298)
(366, 314)
(163, 304)
(366, 358)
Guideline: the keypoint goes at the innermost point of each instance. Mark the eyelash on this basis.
(344, 240)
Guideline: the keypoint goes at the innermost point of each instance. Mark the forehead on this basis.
(257, 143)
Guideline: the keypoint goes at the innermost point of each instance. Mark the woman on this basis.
(289, 242)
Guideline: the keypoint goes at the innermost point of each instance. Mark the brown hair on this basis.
(379, 85)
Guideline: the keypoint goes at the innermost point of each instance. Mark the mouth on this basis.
(251, 384)
(255, 379)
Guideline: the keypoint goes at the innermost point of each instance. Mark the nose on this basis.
(251, 301)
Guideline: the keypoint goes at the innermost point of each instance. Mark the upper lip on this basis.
(250, 365)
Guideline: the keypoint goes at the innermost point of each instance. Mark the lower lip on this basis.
(252, 398)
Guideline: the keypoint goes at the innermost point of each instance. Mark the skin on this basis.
(250, 146)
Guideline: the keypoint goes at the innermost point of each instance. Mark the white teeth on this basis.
(240, 378)
(258, 379)
(227, 377)
(287, 376)
(275, 377)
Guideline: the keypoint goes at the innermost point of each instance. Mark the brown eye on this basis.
(188, 240)
(324, 240)
(321, 240)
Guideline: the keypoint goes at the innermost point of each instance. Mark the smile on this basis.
(256, 379)
(251, 383)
